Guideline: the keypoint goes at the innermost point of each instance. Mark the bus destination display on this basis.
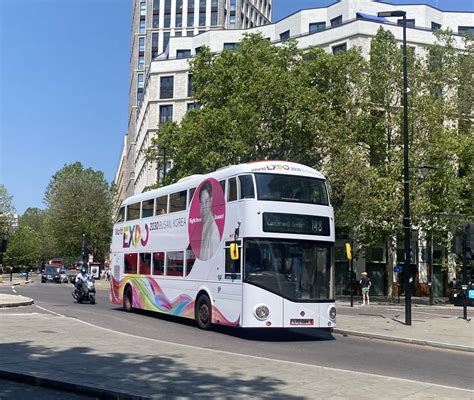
(295, 223)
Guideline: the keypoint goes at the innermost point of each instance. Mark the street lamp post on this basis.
(406, 187)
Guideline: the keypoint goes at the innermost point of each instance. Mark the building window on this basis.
(190, 85)
(202, 19)
(190, 18)
(198, 50)
(166, 87)
(154, 45)
(140, 80)
(166, 114)
(317, 26)
(232, 21)
(168, 6)
(167, 22)
(336, 21)
(189, 33)
(410, 22)
(141, 62)
(194, 106)
(179, 20)
(166, 39)
(462, 30)
(156, 21)
(156, 6)
(202, 4)
(141, 44)
(285, 36)
(142, 26)
(178, 34)
(214, 18)
(143, 8)
(435, 26)
(179, 6)
(339, 48)
(184, 53)
(231, 46)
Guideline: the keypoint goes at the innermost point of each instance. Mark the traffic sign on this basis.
(398, 268)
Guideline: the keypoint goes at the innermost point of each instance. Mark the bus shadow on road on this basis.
(277, 334)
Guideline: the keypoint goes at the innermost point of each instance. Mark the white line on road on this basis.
(261, 358)
(52, 312)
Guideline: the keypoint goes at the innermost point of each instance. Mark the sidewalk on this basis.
(63, 352)
(11, 300)
(442, 332)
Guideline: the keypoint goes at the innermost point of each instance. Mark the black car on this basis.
(52, 274)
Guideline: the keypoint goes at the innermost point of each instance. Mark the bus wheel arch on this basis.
(203, 310)
(127, 298)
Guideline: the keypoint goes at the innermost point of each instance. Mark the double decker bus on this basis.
(249, 245)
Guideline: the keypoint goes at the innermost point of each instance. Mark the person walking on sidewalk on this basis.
(365, 283)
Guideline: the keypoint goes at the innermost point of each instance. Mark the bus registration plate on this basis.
(301, 321)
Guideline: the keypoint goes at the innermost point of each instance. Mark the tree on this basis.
(7, 210)
(79, 201)
(35, 218)
(23, 248)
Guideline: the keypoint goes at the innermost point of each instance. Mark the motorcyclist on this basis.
(81, 278)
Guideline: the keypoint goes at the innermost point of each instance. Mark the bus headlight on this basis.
(262, 312)
(332, 312)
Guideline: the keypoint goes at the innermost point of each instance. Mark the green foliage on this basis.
(341, 114)
(6, 210)
(23, 248)
(79, 201)
(35, 218)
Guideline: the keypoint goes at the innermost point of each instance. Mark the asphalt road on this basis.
(443, 367)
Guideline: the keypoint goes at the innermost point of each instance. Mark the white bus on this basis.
(250, 245)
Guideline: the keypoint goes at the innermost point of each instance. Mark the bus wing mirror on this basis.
(234, 251)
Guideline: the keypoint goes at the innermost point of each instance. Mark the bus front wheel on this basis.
(127, 299)
(203, 312)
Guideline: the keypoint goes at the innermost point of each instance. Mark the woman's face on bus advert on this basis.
(206, 201)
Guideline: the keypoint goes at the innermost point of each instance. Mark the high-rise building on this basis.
(154, 22)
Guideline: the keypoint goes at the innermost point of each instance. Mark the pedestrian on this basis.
(365, 283)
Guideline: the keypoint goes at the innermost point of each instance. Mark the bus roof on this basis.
(270, 167)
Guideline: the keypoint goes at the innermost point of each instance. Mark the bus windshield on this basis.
(298, 270)
(291, 188)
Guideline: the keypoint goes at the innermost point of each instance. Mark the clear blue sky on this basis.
(64, 68)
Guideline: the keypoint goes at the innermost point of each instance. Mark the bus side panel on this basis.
(254, 296)
(227, 305)
(324, 320)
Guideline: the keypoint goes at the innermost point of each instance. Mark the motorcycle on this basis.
(86, 292)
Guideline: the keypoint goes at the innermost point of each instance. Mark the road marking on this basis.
(260, 358)
(52, 312)
(13, 288)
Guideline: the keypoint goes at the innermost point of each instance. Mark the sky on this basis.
(64, 70)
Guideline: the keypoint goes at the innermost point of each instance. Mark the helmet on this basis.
(83, 269)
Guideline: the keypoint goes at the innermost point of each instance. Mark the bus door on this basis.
(229, 290)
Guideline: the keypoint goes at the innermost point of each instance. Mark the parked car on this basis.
(52, 274)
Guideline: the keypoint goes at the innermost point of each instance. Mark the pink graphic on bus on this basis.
(206, 219)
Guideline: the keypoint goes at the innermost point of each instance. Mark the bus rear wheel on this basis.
(127, 299)
(203, 312)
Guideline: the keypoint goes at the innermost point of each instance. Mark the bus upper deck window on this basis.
(120, 215)
(232, 193)
(133, 211)
(147, 208)
(247, 190)
(178, 201)
(161, 205)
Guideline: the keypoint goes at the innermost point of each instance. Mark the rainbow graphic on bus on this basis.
(148, 295)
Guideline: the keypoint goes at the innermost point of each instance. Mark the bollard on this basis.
(464, 303)
(11, 274)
